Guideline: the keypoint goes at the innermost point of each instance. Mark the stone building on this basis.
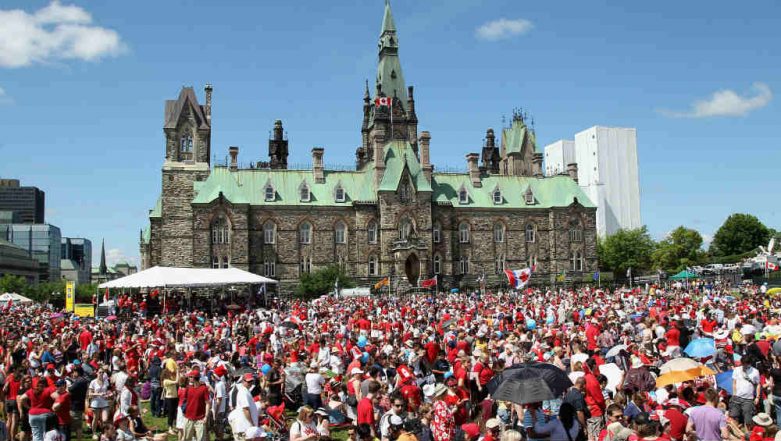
(393, 214)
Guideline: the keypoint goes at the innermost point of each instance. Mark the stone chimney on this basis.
(537, 165)
(208, 107)
(572, 171)
(317, 164)
(474, 171)
(233, 151)
(425, 155)
(379, 160)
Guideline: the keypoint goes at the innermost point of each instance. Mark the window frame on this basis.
(464, 232)
(497, 196)
(437, 264)
(305, 239)
(337, 190)
(270, 267)
(272, 229)
(530, 233)
(371, 232)
(301, 196)
(499, 228)
(463, 196)
(373, 266)
(463, 264)
(266, 196)
(340, 229)
(305, 265)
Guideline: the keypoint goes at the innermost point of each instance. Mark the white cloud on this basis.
(503, 28)
(114, 256)
(727, 102)
(55, 32)
(706, 240)
(4, 98)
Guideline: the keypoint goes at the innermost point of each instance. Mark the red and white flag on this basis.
(383, 101)
(9, 305)
(772, 266)
(428, 283)
(519, 278)
(105, 296)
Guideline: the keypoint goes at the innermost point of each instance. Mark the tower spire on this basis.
(390, 79)
(103, 269)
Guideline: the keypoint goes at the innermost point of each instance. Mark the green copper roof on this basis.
(146, 235)
(389, 74)
(518, 135)
(248, 187)
(398, 156)
(555, 191)
(157, 211)
(387, 19)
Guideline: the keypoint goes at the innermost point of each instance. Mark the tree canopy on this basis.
(322, 281)
(625, 249)
(680, 249)
(739, 233)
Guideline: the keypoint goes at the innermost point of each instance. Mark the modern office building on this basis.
(16, 261)
(27, 202)
(76, 259)
(604, 159)
(43, 243)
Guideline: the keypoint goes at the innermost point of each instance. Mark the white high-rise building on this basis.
(607, 170)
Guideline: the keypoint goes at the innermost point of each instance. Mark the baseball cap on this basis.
(248, 377)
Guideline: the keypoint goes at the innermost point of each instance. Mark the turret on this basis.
(278, 147)
(491, 156)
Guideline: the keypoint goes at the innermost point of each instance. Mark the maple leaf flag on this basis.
(382, 101)
(428, 283)
(772, 266)
(519, 278)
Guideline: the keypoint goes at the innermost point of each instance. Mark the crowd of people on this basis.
(412, 368)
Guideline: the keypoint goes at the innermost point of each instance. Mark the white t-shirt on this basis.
(236, 418)
(314, 383)
(302, 429)
(220, 392)
(745, 384)
(97, 388)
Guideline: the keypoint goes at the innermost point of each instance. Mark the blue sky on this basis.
(82, 86)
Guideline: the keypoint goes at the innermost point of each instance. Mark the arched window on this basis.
(269, 193)
(436, 233)
(463, 196)
(305, 193)
(305, 233)
(371, 232)
(339, 194)
(463, 232)
(577, 261)
(269, 232)
(499, 264)
(405, 229)
(437, 264)
(463, 265)
(498, 232)
(374, 268)
(497, 196)
(530, 233)
(220, 230)
(215, 262)
(340, 234)
(575, 232)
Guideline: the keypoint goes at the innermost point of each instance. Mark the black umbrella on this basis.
(523, 391)
(290, 325)
(556, 379)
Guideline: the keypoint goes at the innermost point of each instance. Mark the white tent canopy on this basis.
(162, 277)
(14, 298)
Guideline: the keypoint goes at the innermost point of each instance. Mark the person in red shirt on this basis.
(62, 408)
(196, 400)
(595, 401)
(673, 335)
(11, 390)
(708, 325)
(677, 418)
(365, 409)
(38, 399)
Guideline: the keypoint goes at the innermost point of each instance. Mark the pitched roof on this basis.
(515, 137)
(554, 191)
(157, 210)
(398, 156)
(174, 108)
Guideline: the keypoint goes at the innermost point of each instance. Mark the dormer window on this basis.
(269, 193)
(497, 196)
(463, 196)
(339, 194)
(304, 193)
(186, 144)
(529, 196)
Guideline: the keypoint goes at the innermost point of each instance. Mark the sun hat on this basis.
(762, 419)
(428, 390)
(395, 420)
(321, 411)
(439, 390)
(492, 423)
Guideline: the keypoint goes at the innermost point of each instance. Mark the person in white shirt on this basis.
(219, 401)
(314, 386)
(245, 413)
(745, 391)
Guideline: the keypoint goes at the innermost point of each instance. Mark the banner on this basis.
(84, 310)
(70, 295)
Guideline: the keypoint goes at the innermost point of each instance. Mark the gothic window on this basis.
(305, 233)
(463, 232)
(270, 267)
(374, 269)
(269, 232)
(437, 264)
(304, 193)
(497, 195)
(405, 190)
(576, 258)
(371, 232)
(305, 265)
(225, 262)
(215, 262)
(436, 233)
(186, 144)
(530, 233)
(340, 235)
(339, 194)
(463, 265)
(269, 193)
(498, 232)
(220, 230)
(499, 264)
(463, 196)
(575, 232)
(405, 228)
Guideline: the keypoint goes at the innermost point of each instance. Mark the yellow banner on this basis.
(70, 295)
(85, 310)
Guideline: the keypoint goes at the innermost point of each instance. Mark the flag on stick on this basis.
(381, 283)
(428, 283)
(518, 278)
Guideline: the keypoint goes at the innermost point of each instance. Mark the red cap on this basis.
(50, 366)
(248, 377)
(194, 374)
(471, 430)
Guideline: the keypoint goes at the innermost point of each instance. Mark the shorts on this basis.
(77, 419)
(594, 426)
(10, 407)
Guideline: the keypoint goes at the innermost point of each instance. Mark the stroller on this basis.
(294, 386)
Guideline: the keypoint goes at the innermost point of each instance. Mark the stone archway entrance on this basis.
(412, 269)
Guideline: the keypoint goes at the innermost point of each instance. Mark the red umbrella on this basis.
(111, 318)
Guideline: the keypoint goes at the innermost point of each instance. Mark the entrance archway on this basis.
(412, 269)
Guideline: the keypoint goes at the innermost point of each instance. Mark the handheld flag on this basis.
(105, 296)
(772, 266)
(381, 283)
(428, 283)
(519, 278)
(561, 277)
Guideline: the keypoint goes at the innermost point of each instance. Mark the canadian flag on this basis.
(519, 278)
(428, 283)
(382, 101)
(772, 266)
(105, 296)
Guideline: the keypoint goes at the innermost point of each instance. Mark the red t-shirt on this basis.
(13, 387)
(673, 337)
(677, 423)
(63, 413)
(41, 403)
(708, 326)
(365, 412)
(196, 398)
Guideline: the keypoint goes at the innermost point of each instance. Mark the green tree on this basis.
(322, 282)
(680, 249)
(739, 233)
(84, 292)
(625, 249)
(11, 283)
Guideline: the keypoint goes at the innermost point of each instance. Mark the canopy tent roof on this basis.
(160, 277)
(684, 275)
(14, 298)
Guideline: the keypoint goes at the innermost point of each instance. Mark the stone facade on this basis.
(394, 215)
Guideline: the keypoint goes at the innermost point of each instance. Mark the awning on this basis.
(162, 277)
(684, 275)
(14, 298)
